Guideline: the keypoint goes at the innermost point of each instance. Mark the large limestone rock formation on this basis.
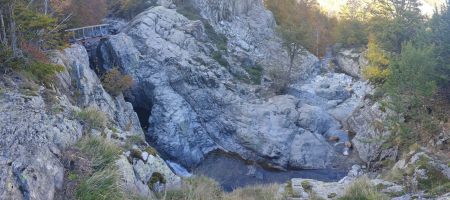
(197, 105)
(37, 125)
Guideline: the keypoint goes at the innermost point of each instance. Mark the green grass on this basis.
(102, 185)
(99, 151)
(217, 55)
(134, 140)
(255, 73)
(196, 188)
(42, 72)
(362, 189)
(92, 118)
(258, 192)
(436, 183)
(151, 151)
(72, 176)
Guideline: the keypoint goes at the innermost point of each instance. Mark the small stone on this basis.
(346, 153)
(144, 156)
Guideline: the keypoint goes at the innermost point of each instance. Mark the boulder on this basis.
(351, 61)
(368, 123)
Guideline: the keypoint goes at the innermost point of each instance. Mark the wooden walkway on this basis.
(88, 32)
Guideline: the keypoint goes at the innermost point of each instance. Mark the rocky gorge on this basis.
(194, 96)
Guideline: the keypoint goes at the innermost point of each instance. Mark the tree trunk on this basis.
(3, 36)
(45, 7)
(12, 30)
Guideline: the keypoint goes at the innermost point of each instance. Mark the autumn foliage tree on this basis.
(377, 71)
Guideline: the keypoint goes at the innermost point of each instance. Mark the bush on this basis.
(220, 59)
(376, 75)
(154, 179)
(280, 80)
(255, 73)
(410, 86)
(377, 72)
(43, 72)
(6, 59)
(92, 118)
(362, 189)
(115, 82)
(128, 9)
(351, 33)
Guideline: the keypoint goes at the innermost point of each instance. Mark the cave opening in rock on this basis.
(140, 96)
(143, 113)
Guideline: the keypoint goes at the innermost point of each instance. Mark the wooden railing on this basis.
(88, 32)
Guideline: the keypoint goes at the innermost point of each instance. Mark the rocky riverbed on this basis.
(194, 96)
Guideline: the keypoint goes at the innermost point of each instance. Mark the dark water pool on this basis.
(232, 172)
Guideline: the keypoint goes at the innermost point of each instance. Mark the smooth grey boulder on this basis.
(311, 151)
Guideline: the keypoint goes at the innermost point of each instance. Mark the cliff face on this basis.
(198, 104)
(38, 124)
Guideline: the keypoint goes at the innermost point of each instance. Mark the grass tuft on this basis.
(101, 152)
(362, 189)
(196, 188)
(92, 118)
(102, 185)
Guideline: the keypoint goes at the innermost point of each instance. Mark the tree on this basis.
(294, 27)
(128, 8)
(377, 71)
(395, 22)
(8, 26)
(411, 80)
(440, 27)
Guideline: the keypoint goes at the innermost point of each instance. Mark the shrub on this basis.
(92, 118)
(134, 140)
(377, 72)
(362, 189)
(128, 9)
(43, 72)
(7, 61)
(220, 59)
(280, 80)
(115, 82)
(255, 73)
(219, 39)
(351, 32)
(151, 151)
(156, 178)
(376, 75)
(436, 182)
(100, 152)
